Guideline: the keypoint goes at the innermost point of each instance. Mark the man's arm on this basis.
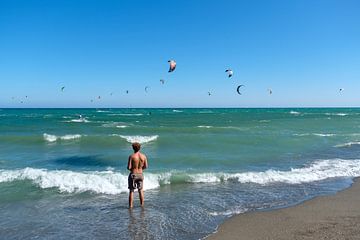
(145, 163)
(129, 166)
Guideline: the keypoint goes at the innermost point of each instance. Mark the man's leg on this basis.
(131, 194)
(141, 197)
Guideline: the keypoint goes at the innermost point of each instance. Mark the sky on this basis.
(304, 50)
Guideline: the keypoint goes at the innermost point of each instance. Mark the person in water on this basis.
(136, 164)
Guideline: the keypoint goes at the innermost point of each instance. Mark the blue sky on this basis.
(303, 50)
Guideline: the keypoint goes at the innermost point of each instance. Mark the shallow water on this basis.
(62, 176)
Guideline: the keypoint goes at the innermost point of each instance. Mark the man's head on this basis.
(136, 146)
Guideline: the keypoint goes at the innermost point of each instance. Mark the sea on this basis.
(63, 171)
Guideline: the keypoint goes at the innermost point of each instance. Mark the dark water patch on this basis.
(84, 161)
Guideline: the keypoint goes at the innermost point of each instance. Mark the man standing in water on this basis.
(136, 164)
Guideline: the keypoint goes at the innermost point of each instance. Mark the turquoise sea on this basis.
(63, 176)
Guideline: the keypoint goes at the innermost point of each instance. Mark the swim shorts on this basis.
(135, 180)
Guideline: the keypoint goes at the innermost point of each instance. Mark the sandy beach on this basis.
(325, 217)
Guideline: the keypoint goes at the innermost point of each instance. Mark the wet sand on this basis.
(327, 217)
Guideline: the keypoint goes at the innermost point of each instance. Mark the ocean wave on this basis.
(84, 120)
(178, 111)
(349, 144)
(126, 114)
(337, 114)
(294, 113)
(138, 138)
(109, 182)
(54, 138)
(204, 126)
(315, 134)
(69, 181)
(115, 124)
(102, 111)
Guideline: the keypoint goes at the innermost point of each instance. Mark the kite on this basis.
(238, 89)
(146, 89)
(62, 89)
(172, 65)
(229, 72)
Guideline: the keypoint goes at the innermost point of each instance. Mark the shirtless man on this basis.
(136, 164)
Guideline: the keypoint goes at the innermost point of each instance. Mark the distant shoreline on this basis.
(325, 217)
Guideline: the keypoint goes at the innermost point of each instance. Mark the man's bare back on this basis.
(137, 162)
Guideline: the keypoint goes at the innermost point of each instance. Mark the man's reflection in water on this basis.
(138, 226)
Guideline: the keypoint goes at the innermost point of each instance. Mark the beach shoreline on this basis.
(325, 217)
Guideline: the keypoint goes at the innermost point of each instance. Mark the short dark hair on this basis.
(136, 146)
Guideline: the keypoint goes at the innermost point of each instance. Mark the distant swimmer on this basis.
(238, 89)
(172, 65)
(136, 164)
(229, 72)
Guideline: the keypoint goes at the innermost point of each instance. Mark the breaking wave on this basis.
(54, 138)
(349, 144)
(109, 182)
(315, 134)
(138, 138)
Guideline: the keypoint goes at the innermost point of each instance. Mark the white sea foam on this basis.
(110, 182)
(54, 138)
(138, 138)
(229, 212)
(50, 138)
(294, 112)
(178, 111)
(336, 114)
(204, 126)
(84, 120)
(115, 124)
(126, 114)
(315, 134)
(349, 144)
(102, 111)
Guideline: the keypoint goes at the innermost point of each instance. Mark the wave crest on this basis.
(138, 138)
(109, 182)
(54, 138)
